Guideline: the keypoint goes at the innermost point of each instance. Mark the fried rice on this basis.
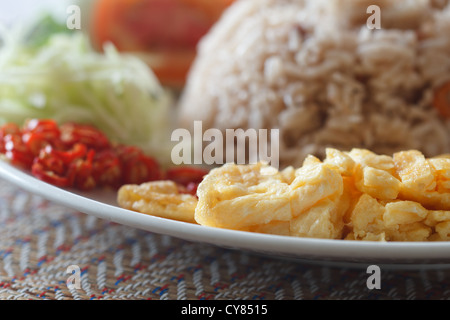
(315, 70)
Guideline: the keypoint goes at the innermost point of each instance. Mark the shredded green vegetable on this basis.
(66, 80)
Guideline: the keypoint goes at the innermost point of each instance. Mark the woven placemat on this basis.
(39, 241)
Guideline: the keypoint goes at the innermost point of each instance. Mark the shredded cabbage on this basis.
(67, 80)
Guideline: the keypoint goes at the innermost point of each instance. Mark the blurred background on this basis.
(137, 26)
(26, 11)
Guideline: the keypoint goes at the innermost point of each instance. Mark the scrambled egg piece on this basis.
(159, 198)
(355, 195)
(426, 181)
(392, 221)
(242, 196)
(259, 198)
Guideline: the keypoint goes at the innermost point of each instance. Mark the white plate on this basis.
(102, 205)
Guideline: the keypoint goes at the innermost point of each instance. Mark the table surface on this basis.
(40, 240)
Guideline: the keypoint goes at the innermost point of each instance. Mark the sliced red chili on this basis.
(39, 133)
(72, 133)
(5, 130)
(41, 125)
(107, 170)
(35, 142)
(9, 128)
(49, 176)
(136, 166)
(191, 188)
(140, 169)
(80, 172)
(186, 175)
(78, 151)
(16, 151)
(154, 170)
(81, 156)
(50, 169)
(47, 129)
(127, 153)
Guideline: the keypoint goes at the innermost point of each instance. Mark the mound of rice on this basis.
(314, 70)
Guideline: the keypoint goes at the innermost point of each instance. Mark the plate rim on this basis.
(284, 246)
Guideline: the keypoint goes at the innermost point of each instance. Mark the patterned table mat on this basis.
(41, 241)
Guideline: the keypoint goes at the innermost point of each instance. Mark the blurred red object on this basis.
(164, 33)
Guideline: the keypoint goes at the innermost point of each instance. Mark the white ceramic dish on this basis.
(102, 205)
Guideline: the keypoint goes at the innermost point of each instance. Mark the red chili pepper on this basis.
(81, 156)
(47, 129)
(72, 133)
(107, 170)
(7, 129)
(49, 176)
(50, 169)
(127, 153)
(41, 125)
(16, 151)
(191, 188)
(78, 151)
(186, 175)
(80, 172)
(140, 169)
(136, 166)
(38, 133)
(35, 142)
(50, 162)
